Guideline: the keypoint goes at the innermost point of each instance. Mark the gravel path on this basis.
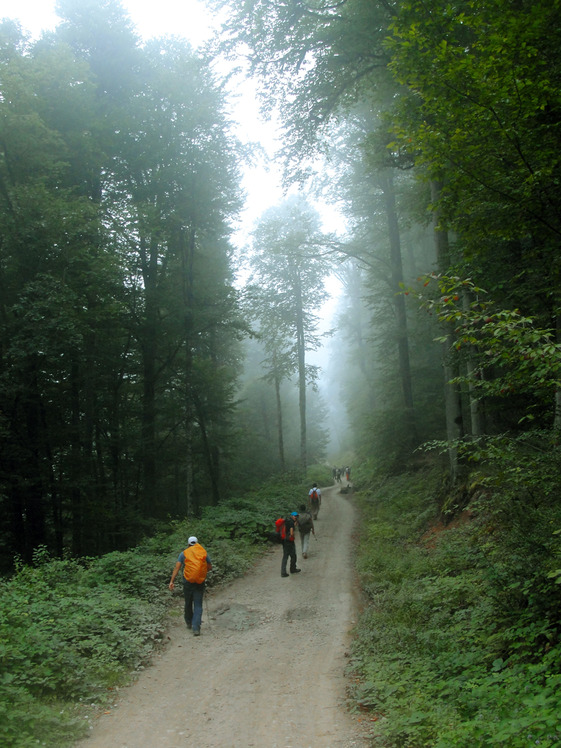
(269, 667)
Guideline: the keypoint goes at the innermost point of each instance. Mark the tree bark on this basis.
(187, 248)
(557, 416)
(452, 400)
(301, 352)
(149, 346)
(475, 409)
(386, 181)
(279, 423)
(212, 467)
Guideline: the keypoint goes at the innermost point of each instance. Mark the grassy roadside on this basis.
(74, 630)
(459, 641)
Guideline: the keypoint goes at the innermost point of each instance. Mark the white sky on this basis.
(152, 18)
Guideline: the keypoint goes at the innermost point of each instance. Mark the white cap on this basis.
(192, 540)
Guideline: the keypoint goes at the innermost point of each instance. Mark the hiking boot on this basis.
(196, 632)
(284, 574)
(296, 571)
(304, 555)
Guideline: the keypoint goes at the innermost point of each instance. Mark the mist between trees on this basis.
(138, 384)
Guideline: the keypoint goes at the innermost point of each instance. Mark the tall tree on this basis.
(289, 269)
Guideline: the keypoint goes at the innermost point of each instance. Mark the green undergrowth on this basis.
(73, 630)
(459, 641)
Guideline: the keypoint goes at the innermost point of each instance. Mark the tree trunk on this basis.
(279, 423)
(209, 458)
(301, 353)
(149, 346)
(452, 400)
(475, 410)
(557, 416)
(76, 496)
(187, 248)
(386, 181)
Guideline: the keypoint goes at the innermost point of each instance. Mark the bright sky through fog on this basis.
(191, 19)
(187, 18)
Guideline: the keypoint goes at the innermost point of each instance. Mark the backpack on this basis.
(276, 536)
(195, 569)
(280, 529)
(314, 498)
(305, 523)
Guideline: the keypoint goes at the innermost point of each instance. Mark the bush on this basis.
(459, 644)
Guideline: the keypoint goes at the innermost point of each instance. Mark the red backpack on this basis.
(280, 528)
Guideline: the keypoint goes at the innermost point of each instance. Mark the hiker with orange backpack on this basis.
(314, 500)
(196, 564)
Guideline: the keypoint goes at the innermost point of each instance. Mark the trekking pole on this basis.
(207, 610)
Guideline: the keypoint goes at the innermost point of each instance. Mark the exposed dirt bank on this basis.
(268, 668)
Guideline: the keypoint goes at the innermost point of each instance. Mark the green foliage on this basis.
(459, 644)
(69, 631)
(483, 114)
(320, 474)
(509, 351)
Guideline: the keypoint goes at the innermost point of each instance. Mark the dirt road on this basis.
(268, 668)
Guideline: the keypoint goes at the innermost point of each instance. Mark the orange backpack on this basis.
(195, 568)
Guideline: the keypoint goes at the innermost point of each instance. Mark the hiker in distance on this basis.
(196, 564)
(305, 527)
(314, 500)
(289, 545)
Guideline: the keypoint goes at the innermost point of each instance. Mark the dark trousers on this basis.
(193, 594)
(288, 552)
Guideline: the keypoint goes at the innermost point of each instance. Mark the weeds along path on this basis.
(268, 668)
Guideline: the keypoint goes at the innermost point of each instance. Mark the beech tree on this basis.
(288, 275)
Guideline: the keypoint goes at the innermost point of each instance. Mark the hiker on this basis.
(289, 544)
(305, 527)
(196, 564)
(314, 500)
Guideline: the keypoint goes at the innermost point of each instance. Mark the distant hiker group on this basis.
(303, 521)
(338, 472)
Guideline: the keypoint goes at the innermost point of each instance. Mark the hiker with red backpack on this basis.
(196, 564)
(287, 531)
(314, 500)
